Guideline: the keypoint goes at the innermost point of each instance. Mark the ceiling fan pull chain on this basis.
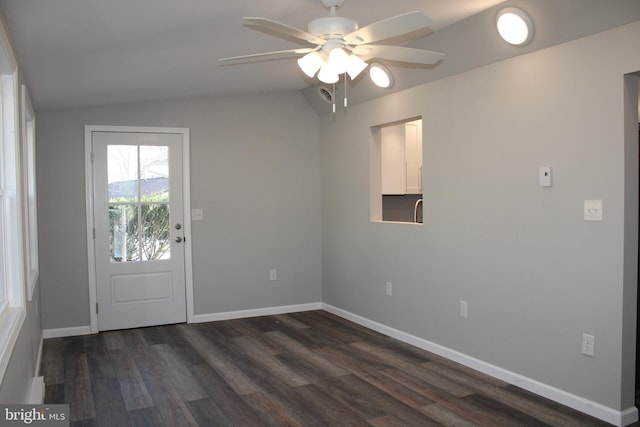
(345, 90)
(334, 98)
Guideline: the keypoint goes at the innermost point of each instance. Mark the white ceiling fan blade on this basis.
(401, 54)
(388, 28)
(283, 29)
(260, 55)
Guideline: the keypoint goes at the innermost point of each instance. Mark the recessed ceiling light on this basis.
(515, 26)
(380, 75)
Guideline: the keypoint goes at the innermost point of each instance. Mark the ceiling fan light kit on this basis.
(355, 66)
(342, 48)
(338, 60)
(327, 75)
(311, 63)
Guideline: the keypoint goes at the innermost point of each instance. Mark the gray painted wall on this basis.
(254, 171)
(535, 274)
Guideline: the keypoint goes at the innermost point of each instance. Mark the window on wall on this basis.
(29, 176)
(7, 194)
(12, 267)
(396, 172)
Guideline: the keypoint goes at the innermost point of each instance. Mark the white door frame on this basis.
(88, 163)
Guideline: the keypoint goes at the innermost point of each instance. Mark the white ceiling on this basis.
(94, 52)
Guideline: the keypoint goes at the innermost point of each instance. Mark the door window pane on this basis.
(154, 173)
(123, 227)
(122, 162)
(155, 231)
(138, 189)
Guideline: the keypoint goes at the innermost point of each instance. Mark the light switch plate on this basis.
(197, 214)
(593, 210)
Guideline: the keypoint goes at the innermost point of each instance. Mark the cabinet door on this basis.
(413, 158)
(394, 177)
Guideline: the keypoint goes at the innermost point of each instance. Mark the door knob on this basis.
(178, 239)
(178, 226)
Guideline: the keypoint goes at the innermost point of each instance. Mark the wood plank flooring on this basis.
(300, 369)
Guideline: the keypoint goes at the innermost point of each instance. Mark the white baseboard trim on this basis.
(200, 318)
(270, 311)
(629, 416)
(39, 355)
(67, 332)
(36, 393)
(610, 415)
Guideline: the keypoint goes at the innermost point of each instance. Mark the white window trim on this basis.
(14, 313)
(30, 212)
(11, 321)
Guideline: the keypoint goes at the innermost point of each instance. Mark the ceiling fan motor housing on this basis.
(332, 3)
(332, 27)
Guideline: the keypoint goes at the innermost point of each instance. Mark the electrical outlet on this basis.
(464, 309)
(273, 274)
(588, 344)
(389, 289)
(593, 210)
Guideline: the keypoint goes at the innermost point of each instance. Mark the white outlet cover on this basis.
(588, 344)
(464, 309)
(545, 176)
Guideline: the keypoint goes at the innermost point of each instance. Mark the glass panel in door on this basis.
(138, 194)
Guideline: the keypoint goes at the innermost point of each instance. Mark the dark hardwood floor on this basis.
(301, 369)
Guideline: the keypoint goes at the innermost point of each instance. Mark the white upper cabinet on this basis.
(394, 178)
(413, 156)
(401, 158)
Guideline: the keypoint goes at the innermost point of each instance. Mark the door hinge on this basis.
(94, 234)
(97, 308)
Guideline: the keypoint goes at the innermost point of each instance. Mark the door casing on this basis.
(89, 199)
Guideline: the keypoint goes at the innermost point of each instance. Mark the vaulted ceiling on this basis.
(94, 52)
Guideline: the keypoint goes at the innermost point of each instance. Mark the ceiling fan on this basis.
(341, 47)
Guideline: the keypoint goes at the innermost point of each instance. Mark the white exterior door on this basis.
(139, 230)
